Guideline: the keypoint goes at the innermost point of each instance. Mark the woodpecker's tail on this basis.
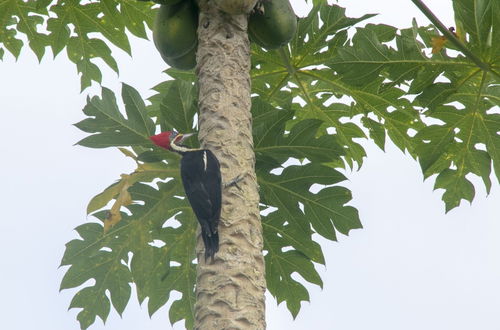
(211, 241)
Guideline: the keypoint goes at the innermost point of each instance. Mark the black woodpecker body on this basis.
(200, 173)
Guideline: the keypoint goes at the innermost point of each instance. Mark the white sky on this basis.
(411, 267)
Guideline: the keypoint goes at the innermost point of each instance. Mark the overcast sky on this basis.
(411, 267)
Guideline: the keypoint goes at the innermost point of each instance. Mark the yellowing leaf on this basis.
(100, 200)
(144, 173)
(123, 199)
(128, 153)
(438, 43)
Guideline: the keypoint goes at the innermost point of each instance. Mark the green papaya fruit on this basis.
(174, 31)
(274, 25)
(184, 62)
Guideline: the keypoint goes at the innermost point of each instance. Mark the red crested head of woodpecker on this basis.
(166, 139)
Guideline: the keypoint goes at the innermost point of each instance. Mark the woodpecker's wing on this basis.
(214, 185)
(200, 172)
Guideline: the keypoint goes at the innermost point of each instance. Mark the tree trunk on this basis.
(230, 290)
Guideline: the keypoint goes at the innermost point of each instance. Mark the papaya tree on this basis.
(433, 91)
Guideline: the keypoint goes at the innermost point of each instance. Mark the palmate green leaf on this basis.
(178, 106)
(308, 47)
(280, 233)
(368, 65)
(362, 63)
(281, 265)
(24, 17)
(179, 77)
(82, 27)
(270, 140)
(299, 212)
(87, 262)
(104, 257)
(290, 68)
(144, 173)
(377, 131)
(466, 140)
(181, 277)
(100, 17)
(324, 212)
(108, 124)
(301, 143)
(386, 105)
(477, 19)
(137, 16)
(163, 278)
(267, 120)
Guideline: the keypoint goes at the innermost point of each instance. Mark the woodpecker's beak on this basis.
(181, 137)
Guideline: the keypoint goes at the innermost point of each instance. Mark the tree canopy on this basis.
(433, 93)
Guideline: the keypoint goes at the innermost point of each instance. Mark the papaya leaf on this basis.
(450, 125)
(477, 20)
(448, 122)
(136, 15)
(465, 140)
(108, 124)
(88, 261)
(24, 17)
(82, 27)
(104, 256)
(299, 212)
(137, 246)
(302, 143)
(144, 173)
(267, 120)
(290, 225)
(279, 268)
(178, 106)
(318, 38)
(325, 210)
(122, 199)
(102, 199)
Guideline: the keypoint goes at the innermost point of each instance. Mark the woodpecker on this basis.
(201, 178)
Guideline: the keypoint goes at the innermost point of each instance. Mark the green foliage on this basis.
(299, 213)
(129, 252)
(84, 28)
(291, 68)
(25, 17)
(124, 254)
(453, 106)
(111, 128)
(440, 108)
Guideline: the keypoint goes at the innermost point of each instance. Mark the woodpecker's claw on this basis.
(234, 182)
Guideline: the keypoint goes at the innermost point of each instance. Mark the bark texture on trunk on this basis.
(230, 290)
